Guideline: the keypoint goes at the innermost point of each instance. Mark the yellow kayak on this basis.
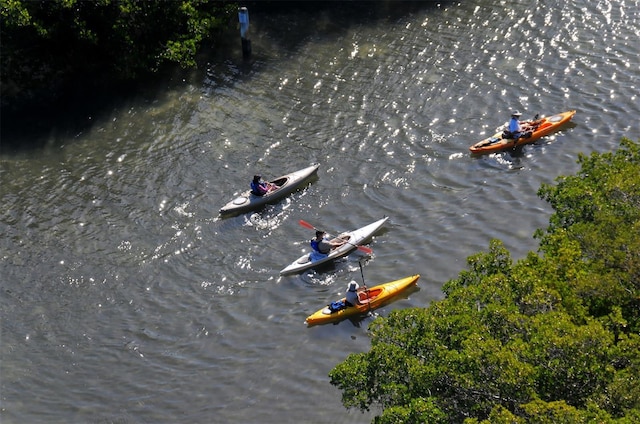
(370, 299)
(534, 130)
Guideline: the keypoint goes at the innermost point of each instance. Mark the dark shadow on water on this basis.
(74, 108)
(67, 111)
(298, 22)
(328, 267)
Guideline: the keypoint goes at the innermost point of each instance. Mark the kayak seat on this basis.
(365, 298)
(279, 182)
(507, 134)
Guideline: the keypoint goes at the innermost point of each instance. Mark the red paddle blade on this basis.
(306, 224)
(365, 250)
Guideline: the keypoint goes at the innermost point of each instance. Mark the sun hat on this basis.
(516, 113)
(353, 286)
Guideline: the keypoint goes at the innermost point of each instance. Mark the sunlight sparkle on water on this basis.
(355, 50)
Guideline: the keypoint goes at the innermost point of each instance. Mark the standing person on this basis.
(351, 298)
(259, 187)
(321, 246)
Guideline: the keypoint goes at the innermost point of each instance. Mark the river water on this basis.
(126, 299)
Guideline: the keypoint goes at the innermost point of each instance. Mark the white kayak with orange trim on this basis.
(354, 239)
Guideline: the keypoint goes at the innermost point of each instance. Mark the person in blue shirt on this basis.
(321, 246)
(259, 187)
(515, 129)
(519, 129)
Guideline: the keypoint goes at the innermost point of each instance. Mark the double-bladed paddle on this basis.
(366, 290)
(311, 227)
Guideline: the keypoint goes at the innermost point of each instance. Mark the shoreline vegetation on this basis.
(62, 55)
(62, 58)
(47, 46)
(552, 338)
(49, 43)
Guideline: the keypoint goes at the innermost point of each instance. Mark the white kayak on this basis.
(286, 184)
(354, 239)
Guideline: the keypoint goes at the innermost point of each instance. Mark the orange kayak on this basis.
(370, 299)
(533, 129)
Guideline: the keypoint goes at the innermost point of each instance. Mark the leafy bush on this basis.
(48, 42)
(551, 338)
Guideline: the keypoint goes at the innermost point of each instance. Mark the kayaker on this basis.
(259, 187)
(515, 129)
(351, 298)
(321, 246)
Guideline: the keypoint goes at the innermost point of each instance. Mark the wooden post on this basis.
(243, 17)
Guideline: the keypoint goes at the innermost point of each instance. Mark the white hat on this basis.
(353, 286)
(516, 113)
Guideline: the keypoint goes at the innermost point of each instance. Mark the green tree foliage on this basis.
(44, 41)
(551, 338)
(599, 210)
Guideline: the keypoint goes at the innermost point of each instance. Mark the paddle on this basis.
(366, 290)
(311, 227)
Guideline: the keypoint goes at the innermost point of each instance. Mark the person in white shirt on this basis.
(352, 298)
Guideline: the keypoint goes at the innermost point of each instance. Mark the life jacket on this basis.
(315, 245)
(258, 189)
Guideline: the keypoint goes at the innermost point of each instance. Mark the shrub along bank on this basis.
(551, 338)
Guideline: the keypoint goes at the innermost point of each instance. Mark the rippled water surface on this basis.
(125, 298)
